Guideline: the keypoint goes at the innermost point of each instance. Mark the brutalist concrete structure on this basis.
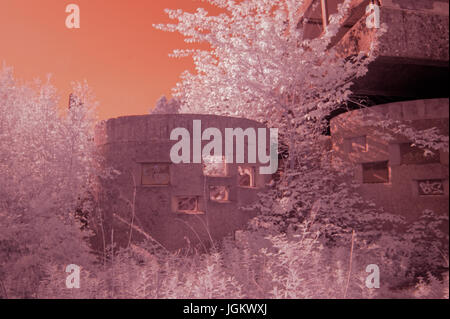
(408, 83)
(390, 171)
(175, 205)
(182, 204)
(412, 59)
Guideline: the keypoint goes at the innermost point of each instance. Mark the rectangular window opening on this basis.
(356, 144)
(246, 176)
(359, 144)
(214, 166)
(375, 172)
(155, 174)
(411, 154)
(219, 193)
(187, 204)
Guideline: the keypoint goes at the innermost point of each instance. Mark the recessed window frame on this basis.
(196, 211)
(252, 175)
(408, 149)
(378, 165)
(227, 191)
(215, 161)
(358, 147)
(354, 146)
(143, 167)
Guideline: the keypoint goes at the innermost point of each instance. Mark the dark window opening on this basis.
(246, 176)
(410, 154)
(219, 193)
(376, 172)
(155, 174)
(187, 204)
(358, 144)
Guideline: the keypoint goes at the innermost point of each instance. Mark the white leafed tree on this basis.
(261, 67)
(47, 159)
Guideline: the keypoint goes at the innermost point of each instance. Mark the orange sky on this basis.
(123, 58)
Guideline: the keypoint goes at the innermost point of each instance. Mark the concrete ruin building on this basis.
(392, 172)
(408, 83)
(192, 204)
(175, 205)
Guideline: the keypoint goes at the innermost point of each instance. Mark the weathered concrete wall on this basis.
(428, 6)
(412, 56)
(131, 143)
(416, 30)
(408, 172)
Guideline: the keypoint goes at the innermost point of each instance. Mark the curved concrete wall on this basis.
(130, 144)
(409, 182)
